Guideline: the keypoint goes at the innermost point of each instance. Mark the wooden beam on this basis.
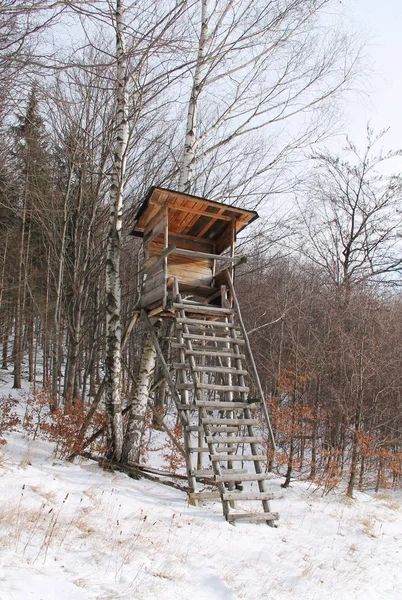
(201, 213)
(158, 228)
(251, 357)
(194, 254)
(162, 212)
(150, 263)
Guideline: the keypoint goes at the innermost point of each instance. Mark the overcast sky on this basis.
(380, 23)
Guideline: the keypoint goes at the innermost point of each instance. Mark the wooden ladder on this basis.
(218, 414)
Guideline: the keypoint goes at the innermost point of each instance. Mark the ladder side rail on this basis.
(252, 361)
(254, 446)
(200, 432)
(229, 394)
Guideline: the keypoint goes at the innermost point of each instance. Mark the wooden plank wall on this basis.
(154, 289)
(187, 269)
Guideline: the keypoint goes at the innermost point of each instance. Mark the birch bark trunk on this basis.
(57, 317)
(113, 285)
(136, 422)
(186, 172)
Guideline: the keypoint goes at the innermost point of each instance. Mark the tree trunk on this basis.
(6, 335)
(113, 284)
(361, 475)
(18, 346)
(166, 331)
(132, 446)
(355, 454)
(313, 463)
(186, 172)
(57, 341)
(358, 420)
(289, 470)
(31, 349)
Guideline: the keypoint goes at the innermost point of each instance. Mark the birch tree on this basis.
(113, 289)
(148, 40)
(262, 86)
(135, 428)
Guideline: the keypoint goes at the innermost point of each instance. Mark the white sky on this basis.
(381, 24)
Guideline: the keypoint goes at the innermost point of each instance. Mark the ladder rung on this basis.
(246, 477)
(216, 421)
(222, 429)
(233, 440)
(211, 474)
(180, 366)
(204, 495)
(213, 429)
(219, 352)
(207, 334)
(202, 473)
(210, 368)
(253, 517)
(213, 405)
(213, 387)
(201, 322)
(210, 331)
(248, 496)
(202, 309)
(239, 457)
(223, 388)
(225, 405)
(201, 449)
(212, 338)
(216, 369)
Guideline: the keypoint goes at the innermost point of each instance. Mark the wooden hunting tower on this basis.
(188, 273)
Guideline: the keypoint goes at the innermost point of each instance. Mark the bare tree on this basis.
(352, 221)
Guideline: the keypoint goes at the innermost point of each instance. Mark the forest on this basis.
(237, 102)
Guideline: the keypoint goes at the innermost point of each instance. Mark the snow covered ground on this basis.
(75, 531)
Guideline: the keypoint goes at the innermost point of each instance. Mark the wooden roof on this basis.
(192, 216)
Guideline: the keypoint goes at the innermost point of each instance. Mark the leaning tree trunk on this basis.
(136, 421)
(113, 285)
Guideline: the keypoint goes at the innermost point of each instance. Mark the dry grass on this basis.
(369, 524)
(3, 460)
(389, 501)
(26, 459)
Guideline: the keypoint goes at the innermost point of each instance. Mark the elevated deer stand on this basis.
(189, 279)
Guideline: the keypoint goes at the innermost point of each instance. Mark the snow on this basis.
(75, 531)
